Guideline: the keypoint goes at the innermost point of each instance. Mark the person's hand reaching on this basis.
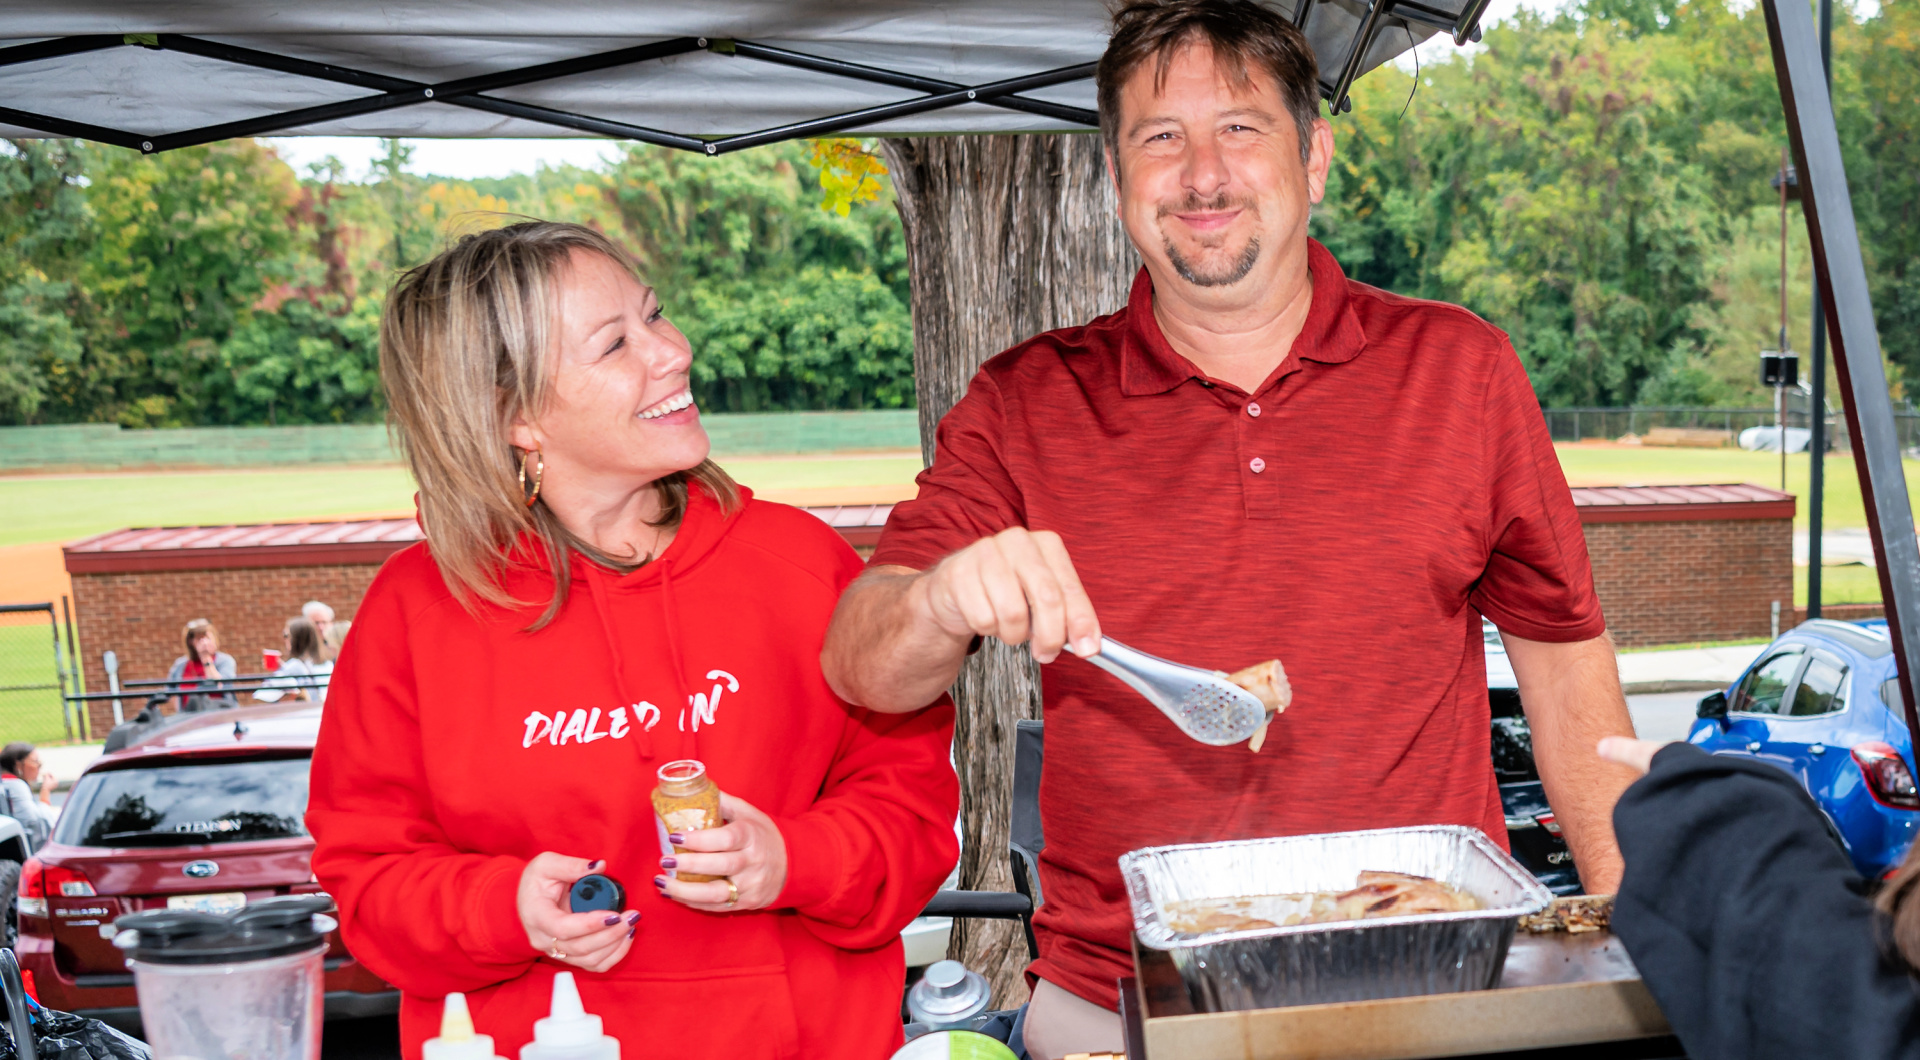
(1634, 754)
(594, 941)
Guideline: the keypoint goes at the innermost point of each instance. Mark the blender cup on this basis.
(237, 986)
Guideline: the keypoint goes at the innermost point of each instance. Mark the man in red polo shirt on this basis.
(1257, 457)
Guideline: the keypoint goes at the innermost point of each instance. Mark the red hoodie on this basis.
(454, 748)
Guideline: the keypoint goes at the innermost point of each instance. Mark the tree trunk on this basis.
(1007, 237)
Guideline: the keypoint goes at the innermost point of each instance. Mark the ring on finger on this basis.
(556, 952)
(733, 892)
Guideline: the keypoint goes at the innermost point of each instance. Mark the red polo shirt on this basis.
(1388, 484)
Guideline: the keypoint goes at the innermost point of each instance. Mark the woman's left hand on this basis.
(1634, 754)
(748, 849)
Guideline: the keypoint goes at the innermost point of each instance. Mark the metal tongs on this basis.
(1203, 703)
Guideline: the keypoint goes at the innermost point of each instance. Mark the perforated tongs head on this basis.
(1203, 703)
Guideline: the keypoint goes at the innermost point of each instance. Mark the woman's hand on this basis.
(1635, 754)
(47, 782)
(749, 850)
(593, 941)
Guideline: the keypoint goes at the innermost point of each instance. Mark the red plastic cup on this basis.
(269, 659)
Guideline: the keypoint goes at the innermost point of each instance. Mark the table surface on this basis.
(1556, 990)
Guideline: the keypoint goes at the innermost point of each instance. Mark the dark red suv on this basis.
(205, 813)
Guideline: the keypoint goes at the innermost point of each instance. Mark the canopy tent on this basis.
(709, 77)
(721, 75)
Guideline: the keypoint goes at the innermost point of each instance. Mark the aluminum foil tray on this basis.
(1355, 960)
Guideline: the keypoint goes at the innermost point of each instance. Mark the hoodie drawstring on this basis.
(670, 617)
(622, 684)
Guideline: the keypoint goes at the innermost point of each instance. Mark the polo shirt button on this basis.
(1258, 465)
(1253, 408)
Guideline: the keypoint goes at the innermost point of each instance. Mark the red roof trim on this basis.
(1676, 504)
(371, 541)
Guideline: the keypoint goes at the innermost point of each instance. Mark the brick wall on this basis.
(139, 616)
(1681, 582)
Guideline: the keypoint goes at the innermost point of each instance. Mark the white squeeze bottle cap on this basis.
(569, 1032)
(457, 1040)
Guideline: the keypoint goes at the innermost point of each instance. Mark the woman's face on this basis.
(619, 413)
(205, 644)
(30, 767)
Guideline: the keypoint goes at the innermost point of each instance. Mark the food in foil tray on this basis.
(1268, 683)
(1375, 894)
(1575, 916)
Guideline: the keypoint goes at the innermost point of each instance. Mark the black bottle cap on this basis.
(272, 927)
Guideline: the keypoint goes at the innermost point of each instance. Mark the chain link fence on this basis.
(34, 675)
(1605, 424)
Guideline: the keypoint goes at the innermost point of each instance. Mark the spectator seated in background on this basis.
(205, 664)
(20, 775)
(331, 633)
(303, 658)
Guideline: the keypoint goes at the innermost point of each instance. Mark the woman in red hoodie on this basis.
(594, 599)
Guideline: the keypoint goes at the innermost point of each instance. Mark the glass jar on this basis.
(686, 800)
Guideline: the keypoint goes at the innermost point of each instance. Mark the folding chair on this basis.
(1025, 840)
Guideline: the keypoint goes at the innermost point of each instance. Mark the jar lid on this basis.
(271, 927)
(948, 994)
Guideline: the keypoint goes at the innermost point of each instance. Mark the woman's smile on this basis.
(667, 408)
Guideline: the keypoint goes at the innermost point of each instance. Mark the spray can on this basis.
(946, 999)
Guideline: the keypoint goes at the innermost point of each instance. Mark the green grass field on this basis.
(26, 659)
(1839, 585)
(65, 507)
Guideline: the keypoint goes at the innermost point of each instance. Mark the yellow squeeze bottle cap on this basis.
(457, 1041)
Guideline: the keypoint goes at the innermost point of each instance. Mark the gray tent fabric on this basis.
(137, 81)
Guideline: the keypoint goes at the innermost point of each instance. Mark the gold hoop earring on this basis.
(539, 472)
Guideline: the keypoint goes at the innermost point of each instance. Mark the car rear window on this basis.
(187, 803)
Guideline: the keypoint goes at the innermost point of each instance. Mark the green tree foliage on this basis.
(788, 305)
(1595, 183)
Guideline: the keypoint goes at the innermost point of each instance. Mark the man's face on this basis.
(1212, 188)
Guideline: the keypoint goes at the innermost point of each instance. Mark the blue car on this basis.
(1822, 703)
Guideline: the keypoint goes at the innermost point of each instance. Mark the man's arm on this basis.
(1571, 693)
(898, 636)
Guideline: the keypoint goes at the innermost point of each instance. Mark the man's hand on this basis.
(899, 636)
(1636, 755)
(1017, 585)
(1571, 693)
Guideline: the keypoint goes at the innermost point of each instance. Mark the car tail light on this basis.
(1549, 822)
(1888, 778)
(40, 881)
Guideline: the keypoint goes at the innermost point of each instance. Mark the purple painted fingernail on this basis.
(632, 929)
(594, 864)
(677, 839)
(633, 917)
(660, 882)
(612, 920)
(669, 863)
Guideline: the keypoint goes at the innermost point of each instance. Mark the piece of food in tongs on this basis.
(1268, 683)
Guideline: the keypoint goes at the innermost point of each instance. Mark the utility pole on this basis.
(1817, 403)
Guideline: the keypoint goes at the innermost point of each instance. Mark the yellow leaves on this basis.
(850, 172)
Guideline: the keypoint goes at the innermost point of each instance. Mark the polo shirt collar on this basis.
(1331, 335)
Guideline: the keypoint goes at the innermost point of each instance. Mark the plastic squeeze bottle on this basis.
(457, 1040)
(569, 1032)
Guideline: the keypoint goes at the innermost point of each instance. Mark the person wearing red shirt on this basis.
(580, 614)
(1255, 458)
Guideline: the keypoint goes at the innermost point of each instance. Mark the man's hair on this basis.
(1242, 33)
(315, 611)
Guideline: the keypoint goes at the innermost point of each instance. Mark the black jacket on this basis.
(1748, 921)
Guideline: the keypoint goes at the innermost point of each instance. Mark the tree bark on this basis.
(1007, 237)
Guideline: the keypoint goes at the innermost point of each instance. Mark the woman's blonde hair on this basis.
(466, 346)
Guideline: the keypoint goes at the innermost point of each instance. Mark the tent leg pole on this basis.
(1841, 275)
